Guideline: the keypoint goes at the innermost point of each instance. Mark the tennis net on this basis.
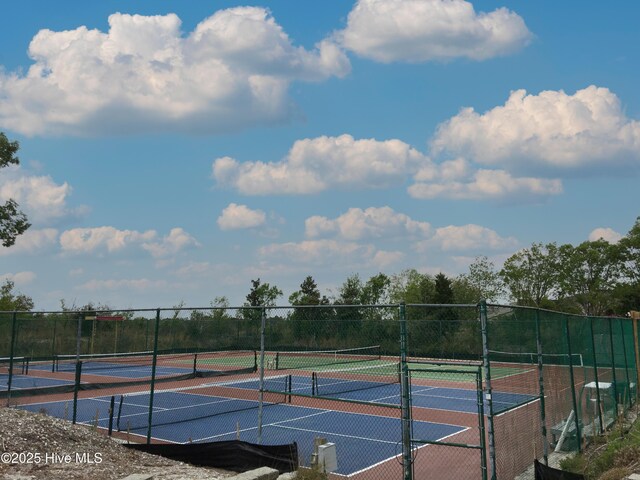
(237, 361)
(333, 382)
(20, 366)
(531, 358)
(316, 358)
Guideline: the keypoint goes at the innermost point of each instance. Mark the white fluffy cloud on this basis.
(32, 241)
(236, 217)
(100, 239)
(38, 196)
(324, 252)
(176, 241)
(549, 132)
(358, 224)
(110, 240)
(486, 184)
(468, 238)
(423, 30)
(232, 71)
(139, 285)
(19, 278)
(607, 234)
(315, 165)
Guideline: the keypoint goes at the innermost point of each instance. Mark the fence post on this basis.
(487, 386)
(613, 366)
(576, 414)
(12, 347)
(263, 324)
(595, 373)
(405, 397)
(626, 361)
(153, 374)
(545, 443)
(635, 316)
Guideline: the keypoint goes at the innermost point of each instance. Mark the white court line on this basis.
(396, 456)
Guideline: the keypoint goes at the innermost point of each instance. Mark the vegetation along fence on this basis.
(372, 392)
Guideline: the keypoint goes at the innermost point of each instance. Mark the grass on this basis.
(612, 456)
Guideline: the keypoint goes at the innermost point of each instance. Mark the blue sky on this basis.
(173, 151)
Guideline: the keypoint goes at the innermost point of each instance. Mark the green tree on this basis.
(11, 300)
(262, 294)
(376, 290)
(590, 274)
(309, 294)
(411, 286)
(308, 323)
(531, 275)
(628, 292)
(443, 290)
(630, 245)
(350, 292)
(12, 221)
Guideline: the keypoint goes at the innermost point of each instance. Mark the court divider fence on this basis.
(400, 391)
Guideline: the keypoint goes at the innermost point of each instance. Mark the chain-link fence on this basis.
(372, 392)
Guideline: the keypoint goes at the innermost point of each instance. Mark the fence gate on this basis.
(447, 421)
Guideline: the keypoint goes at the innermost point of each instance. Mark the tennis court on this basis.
(362, 441)
(422, 396)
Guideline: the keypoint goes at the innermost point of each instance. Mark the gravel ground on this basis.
(34, 446)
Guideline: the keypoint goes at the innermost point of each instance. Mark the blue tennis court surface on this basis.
(19, 382)
(440, 398)
(364, 440)
(116, 370)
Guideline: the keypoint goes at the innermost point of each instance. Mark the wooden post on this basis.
(635, 316)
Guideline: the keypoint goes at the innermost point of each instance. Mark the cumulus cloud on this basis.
(315, 165)
(552, 132)
(467, 238)
(235, 217)
(176, 241)
(607, 234)
(19, 278)
(486, 184)
(232, 71)
(32, 241)
(422, 30)
(108, 239)
(139, 285)
(39, 196)
(100, 239)
(358, 224)
(325, 251)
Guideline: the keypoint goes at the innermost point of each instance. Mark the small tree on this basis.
(10, 300)
(12, 221)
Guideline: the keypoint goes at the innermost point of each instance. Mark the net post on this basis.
(545, 443)
(53, 340)
(573, 384)
(405, 397)
(195, 363)
(263, 323)
(14, 318)
(487, 379)
(153, 374)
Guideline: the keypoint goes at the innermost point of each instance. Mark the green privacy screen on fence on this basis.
(395, 391)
